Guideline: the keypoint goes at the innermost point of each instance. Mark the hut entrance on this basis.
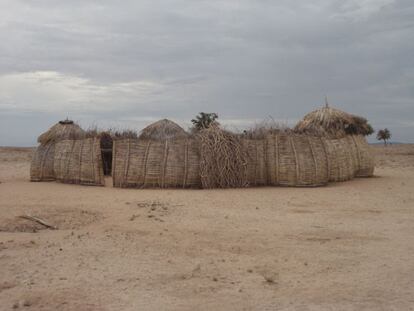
(106, 151)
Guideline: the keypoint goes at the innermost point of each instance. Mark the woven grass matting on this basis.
(143, 163)
(79, 162)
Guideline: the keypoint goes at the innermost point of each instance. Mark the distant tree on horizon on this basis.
(384, 135)
(204, 120)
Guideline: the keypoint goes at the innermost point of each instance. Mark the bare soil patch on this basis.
(60, 218)
(347, 246)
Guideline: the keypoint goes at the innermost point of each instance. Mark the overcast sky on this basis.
(128, 63)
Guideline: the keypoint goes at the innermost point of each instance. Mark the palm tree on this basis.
(204, 120)
(384, 135)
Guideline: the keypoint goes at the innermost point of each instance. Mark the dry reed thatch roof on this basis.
(162, 130)
(65, 129)
(328, 121)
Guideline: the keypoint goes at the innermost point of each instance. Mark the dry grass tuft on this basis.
(124, 134)
(264, 128)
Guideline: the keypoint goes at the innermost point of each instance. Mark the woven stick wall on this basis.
(353, 152)
(365, 156)
(256, 150)
(41, 166)
(341, 163)
(143, 163)
(79, 162)
(296, 160)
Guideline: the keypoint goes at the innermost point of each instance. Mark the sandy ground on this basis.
(348, 246)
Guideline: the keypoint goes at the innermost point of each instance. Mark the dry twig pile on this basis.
(223, 159)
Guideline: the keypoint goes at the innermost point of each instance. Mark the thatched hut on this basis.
(164, 156)
(42, 164)
(344, 133)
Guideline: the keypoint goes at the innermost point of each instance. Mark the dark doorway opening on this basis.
(106, 151)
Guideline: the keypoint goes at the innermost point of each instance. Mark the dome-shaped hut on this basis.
(41, 168)
(163, 156)
(163, 130)
(348, 151)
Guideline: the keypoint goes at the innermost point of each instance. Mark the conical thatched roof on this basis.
(66, 129)
(333, 122)
(162, 130)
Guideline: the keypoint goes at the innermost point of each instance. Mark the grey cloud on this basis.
(244, 59)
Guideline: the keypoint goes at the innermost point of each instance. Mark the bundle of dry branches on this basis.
(223, 159)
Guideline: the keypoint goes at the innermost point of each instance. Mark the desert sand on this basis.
(347, 246)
